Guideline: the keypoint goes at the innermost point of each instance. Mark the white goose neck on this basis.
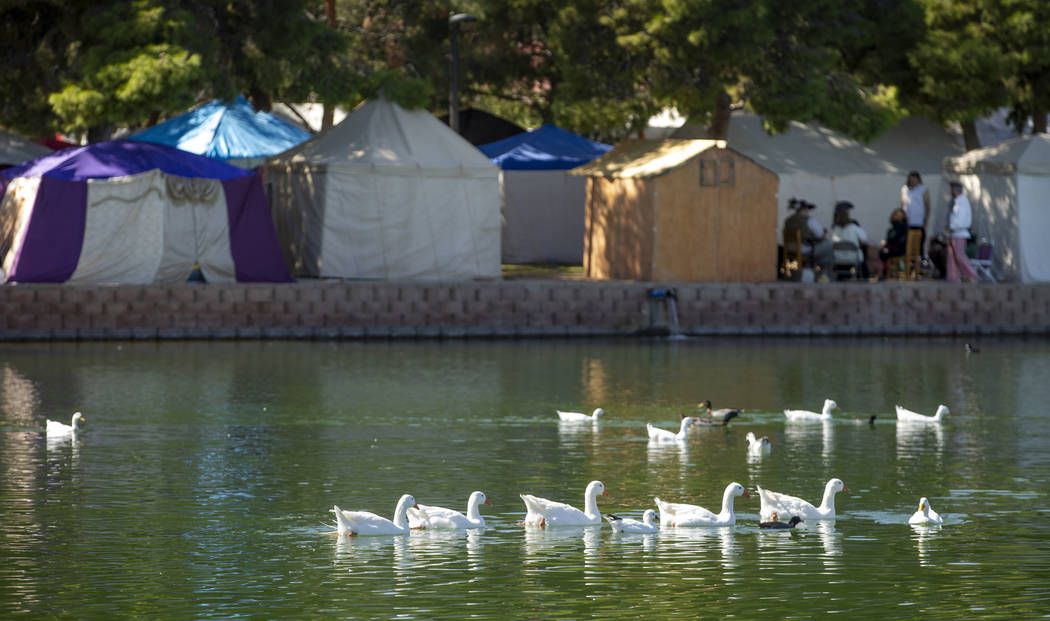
(828, 502)
(590, 502)
(727, 502)
(401, 513)
(473, 507)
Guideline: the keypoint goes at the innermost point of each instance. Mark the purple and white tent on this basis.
(135, 213)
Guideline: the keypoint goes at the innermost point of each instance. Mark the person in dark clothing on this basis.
(896, 239)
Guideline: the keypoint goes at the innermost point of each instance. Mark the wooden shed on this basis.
(679, 210)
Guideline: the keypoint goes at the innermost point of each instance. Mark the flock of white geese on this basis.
(543, 513)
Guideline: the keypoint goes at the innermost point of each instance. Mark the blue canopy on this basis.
(545, 148)
(226, 131)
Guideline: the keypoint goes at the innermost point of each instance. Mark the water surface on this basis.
(202, 485)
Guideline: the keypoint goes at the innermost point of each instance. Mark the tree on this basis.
(786, 60)
(1024, 33)
(92, 66)
(960, 65)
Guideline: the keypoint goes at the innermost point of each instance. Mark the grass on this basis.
(542, 271)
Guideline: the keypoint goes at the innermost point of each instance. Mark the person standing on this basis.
(915, 201)
(960, 217)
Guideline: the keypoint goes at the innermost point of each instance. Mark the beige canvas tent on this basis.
(1008, 185)
(679, 210)
(388, 193)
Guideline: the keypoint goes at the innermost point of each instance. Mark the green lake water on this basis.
(202, 485)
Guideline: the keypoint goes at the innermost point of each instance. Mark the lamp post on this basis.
(454, 20)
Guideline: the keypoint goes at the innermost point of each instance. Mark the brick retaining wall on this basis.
(515, 308)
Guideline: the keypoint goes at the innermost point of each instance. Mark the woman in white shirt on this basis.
(915, 201)
(959, 221)
(845, 229)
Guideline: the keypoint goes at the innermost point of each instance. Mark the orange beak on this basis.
(746, 495)
(605, 492)
(488, 502)
(844, 488)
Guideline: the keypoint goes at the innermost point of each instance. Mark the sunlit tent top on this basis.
(545, 148)
(225, 130)
(118, 158)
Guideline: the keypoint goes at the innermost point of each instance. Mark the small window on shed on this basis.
(717, 171)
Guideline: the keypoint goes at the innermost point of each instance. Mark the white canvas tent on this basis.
(388, 193)
(1008, 185)
(822, 166)
(14, 149)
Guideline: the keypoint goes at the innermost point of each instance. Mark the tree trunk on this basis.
(328, 113)
(719, 127)
(1039, 121)
(99, 133)
(970, 139)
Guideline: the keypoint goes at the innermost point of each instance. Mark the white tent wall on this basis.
(1033, 193)
(153, 228)
(543, 213)
(400, 223)
(994, 199)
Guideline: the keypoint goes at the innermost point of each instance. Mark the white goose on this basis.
(580, 417)
(55, 428)
(925, 514)
(907, 416)
(543, 512)
(627, 525)
(680, 514)
(782, 504)
(758, 446)
(662, 435)
(806, 415)
(427, 516)
(352, 523)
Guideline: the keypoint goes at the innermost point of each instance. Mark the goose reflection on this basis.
(829, 539)
(922, 534)
(662, 453)
(914, 439)
(801, 435)
(707, 537)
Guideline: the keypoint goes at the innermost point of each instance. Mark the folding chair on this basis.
(847, 263)
(912, 254)
(982, 263)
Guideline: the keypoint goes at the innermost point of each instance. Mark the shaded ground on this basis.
(549, 272)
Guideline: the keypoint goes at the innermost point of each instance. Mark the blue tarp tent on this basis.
(543, 208)
(545, 148)
(232, 132)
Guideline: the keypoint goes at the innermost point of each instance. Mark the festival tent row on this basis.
(823, 166)
(1008, 185)
(14, 149)
(388, 193)
(229, 131)
(543, 208)
(135, 213)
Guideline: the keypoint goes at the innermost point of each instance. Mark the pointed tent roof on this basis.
(916, 143)
(545, 148)
(383, 135)
(119, 158)
(15, 149)
(224, 130)
(802, 148)
(479, 127)
(1028, 155)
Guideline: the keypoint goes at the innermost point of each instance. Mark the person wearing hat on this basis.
(960, 217)
(814, 240)
(845, 229)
